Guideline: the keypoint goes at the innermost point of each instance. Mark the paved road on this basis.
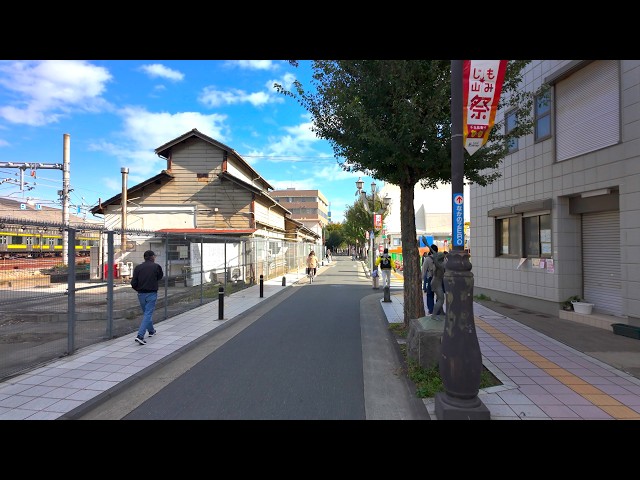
(319, 351)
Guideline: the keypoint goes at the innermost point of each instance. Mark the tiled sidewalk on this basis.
(542, 379)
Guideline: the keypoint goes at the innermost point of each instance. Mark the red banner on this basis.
(481, 87)
(377, 220)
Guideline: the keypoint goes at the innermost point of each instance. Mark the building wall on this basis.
(216, 203)
(294, 200)
(533, 173)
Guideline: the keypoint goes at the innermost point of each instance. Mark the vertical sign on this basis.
(377, 220)
(481, 86)
(458, 220)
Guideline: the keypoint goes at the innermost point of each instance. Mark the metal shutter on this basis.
(588, 110)
(601, 261)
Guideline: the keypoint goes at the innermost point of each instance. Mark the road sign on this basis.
(458, 220)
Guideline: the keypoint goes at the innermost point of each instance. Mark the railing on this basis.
(50, 308)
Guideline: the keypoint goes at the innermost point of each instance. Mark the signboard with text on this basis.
(458, 220)
(481, 87)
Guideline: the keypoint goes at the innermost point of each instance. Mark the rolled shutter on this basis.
(588, 110)
(601, 261)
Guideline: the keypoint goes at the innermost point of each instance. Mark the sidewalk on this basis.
(543, 378)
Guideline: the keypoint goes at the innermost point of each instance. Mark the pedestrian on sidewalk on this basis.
(437, 284)
(385, 263)
(428, 268)
(145, 281)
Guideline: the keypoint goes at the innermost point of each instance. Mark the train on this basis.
(19, 243)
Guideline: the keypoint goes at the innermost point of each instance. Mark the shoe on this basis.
(141, 341)
(151, 334)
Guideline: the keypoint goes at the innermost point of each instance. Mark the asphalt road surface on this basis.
(319, 351)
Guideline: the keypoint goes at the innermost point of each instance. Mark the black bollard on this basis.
(221, 303)
(261, 286)
(284, 281)
(387, 294)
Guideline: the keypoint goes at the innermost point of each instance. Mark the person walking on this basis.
(145, 281)
(423, 270)
(385, 264)
(428, 269)
(437, 284)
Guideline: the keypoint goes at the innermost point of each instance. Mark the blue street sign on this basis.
(458, 220)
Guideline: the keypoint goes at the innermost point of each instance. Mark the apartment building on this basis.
(564, 218)
(310, 207)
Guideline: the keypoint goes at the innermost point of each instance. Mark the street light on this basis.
(373, 211)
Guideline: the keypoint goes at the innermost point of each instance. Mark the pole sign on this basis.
(377, 221)
(458, 220)
(481, 86)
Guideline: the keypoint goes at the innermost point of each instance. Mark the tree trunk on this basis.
(413, 299)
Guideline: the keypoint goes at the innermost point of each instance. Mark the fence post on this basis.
(221, 303)
(284, 281)
(261, 286)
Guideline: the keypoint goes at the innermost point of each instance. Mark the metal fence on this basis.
(61, 287)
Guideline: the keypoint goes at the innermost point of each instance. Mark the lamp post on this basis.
(460, 358)
(373, 211)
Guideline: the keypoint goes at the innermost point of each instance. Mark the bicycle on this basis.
(311, 272)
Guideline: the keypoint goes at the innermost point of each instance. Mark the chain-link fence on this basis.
(65, 288)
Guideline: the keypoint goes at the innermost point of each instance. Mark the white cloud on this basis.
(213, 97)
(157, 70)
(45, 91)
(256, 64)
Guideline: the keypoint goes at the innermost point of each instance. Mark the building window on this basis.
(543, 116)
(537, 236)
(508, 236)
(510, 122)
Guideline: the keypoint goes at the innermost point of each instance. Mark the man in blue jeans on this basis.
(145, 281)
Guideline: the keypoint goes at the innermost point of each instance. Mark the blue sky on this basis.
(117, 112)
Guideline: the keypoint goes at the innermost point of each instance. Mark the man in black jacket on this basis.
(145, 282)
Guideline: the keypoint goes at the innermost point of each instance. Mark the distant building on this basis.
(432, 208)
(310, 207)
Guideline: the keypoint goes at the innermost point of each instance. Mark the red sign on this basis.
(377, 220)
(481, 87)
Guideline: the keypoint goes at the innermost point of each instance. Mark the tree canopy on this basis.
(391, 120)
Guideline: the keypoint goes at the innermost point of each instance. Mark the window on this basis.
(508, 236)
(537, 236)
(543, 116)
(510, 123)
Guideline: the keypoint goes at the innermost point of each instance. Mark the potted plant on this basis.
(568, 303)
(583, 307)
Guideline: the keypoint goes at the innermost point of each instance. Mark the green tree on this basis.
(333, 236)
(391, 120)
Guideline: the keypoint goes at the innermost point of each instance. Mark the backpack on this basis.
(385, 262)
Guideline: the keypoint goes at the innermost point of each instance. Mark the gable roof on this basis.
(164, 151)
(163, 176)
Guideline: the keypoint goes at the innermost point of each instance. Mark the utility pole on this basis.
(65, 197)
(123, 236)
